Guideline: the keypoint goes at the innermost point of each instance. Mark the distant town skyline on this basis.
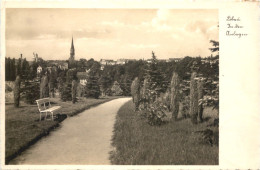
(110, 33)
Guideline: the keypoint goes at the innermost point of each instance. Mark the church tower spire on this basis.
(72, 50)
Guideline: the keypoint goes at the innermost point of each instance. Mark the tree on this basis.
(105, 83)
(44, 88)
(155, 78)
(216, 46)
(175, 82)
(17, 91)
(31, 90)
(135, 91)
(12, 70)
(92, 86)
(116, 90)
(74, 91)
(7, 69)
(200, 85)
(25, 69)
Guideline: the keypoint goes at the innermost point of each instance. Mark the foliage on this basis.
(10, 68)
(155, 78)
(17, 91)
(175, 82)
(193, 98)
(116, 90)
(215, 44)
(44, 86)
(135, 90)
(71, 75)
(155, 113)
(200, 84)
(185, 106)
(74, 91)
(65, 93)
(31, 91)
(137, 143)
(92, 86)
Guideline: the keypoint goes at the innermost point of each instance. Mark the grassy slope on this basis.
(175, 143)
(23, 127)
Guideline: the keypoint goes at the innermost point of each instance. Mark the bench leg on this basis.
(40, 116)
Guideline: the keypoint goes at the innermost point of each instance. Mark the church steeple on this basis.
(72, 51)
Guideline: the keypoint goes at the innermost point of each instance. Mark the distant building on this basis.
(39, 70)
(174, 59)
(61, 64)
(121, 61)
(107, 62)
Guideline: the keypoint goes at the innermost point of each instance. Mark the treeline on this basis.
(125, 74)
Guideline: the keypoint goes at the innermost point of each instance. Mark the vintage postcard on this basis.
(123, 85)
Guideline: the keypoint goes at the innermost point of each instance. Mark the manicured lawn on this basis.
(23, 128)
(175, 143)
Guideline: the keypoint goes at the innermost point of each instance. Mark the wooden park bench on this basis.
(44, 106)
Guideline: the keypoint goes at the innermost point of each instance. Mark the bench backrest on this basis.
(43, 104)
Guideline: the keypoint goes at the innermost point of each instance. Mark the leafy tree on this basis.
(116, 90)
(155, 78)
(105, 82)
(65, 92)
(31, 90)
(92, 86)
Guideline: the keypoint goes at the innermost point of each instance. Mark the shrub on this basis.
(135, 92)
(66, 92)
(74, 91)
(175, 82)
(156, 113)
(17, 91)
(145, 94)
(31, 91)
(185, 106)
(200, 96)
(44, 87)
(193, 98)
(116, 89)
(92, 86)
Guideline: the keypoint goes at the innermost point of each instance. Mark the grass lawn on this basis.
(23, 128)
(174, 143)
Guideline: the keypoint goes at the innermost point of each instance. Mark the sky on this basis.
(110, 33)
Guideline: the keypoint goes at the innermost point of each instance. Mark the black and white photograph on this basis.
(112, 86)
(123, 86)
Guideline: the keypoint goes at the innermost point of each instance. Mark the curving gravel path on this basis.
(84, 139)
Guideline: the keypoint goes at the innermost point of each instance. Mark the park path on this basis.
(80, 140)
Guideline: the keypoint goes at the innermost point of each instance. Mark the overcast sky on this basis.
(110, 33)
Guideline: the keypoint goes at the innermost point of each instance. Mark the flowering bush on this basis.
(156, 112)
